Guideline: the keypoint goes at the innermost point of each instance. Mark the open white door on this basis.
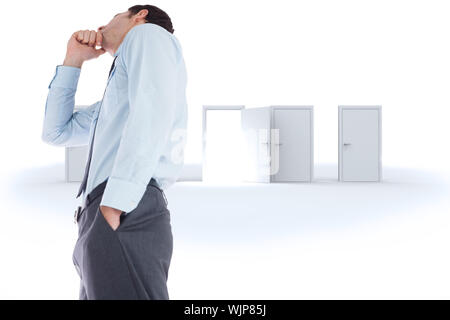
(256, 129)
(292, 151)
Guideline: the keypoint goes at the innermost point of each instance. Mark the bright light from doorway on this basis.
(224, 146)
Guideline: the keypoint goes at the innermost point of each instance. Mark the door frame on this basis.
(204, 120)
(310, 108)
(341, 109)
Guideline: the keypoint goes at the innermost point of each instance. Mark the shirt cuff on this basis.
(65, 77)
(122, 194)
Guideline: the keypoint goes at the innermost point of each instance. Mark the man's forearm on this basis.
(72, 62)
(60, 104)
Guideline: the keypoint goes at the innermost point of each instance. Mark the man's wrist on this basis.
(111, 209)
(71, 62)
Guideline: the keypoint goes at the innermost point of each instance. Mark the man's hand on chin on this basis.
(112, 216)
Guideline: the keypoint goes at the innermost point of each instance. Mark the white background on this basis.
(256, 53)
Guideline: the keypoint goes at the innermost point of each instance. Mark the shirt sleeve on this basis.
(150, 62)
(62, 126)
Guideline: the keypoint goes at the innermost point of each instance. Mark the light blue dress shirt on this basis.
(142, 120)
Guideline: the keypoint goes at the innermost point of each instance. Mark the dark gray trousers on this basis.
(131, 262)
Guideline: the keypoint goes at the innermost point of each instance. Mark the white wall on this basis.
(324, 53)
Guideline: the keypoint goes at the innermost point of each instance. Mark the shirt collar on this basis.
(118, 49)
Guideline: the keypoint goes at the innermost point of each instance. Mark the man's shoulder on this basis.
(154, 34)
(149, 29)
(148, 36)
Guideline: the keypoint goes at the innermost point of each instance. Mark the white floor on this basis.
(321, 240)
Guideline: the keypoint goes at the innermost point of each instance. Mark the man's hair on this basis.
(155, 15)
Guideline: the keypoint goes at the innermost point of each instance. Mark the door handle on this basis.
(347, 144)
(279, 144)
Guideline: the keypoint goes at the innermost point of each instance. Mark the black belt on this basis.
(98, 190)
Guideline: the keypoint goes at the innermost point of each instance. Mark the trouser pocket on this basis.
(162, 193)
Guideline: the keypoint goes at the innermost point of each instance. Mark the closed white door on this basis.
(292, 153)
(76, 158)
(360, 144)
(256, 158)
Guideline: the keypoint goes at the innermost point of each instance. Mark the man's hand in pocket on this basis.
(112, 216)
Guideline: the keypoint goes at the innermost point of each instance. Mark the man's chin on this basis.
(106, 48)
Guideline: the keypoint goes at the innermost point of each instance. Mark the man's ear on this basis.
(141, 15)
(144, 12)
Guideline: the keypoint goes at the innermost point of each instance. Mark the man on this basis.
(136, 138)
